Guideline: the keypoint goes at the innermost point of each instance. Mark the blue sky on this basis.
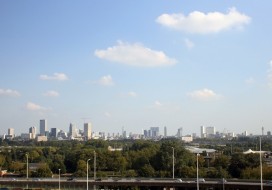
(136, 64)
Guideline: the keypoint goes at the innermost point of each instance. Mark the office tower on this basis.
(165, 131)
(43, 126)
(88, 130)
(202, 131)
(54, 132)
(210, 131)
(145, 133)
(179, 133)
(72, 130)
(11, 132)
(32, 132)
(154, 131)
(124, 135)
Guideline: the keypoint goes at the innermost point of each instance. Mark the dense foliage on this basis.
(138, 158)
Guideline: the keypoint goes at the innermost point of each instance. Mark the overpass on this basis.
(142, 184)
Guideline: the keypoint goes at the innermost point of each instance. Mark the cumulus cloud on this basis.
(51, 93)
(189, 44)
(135, 55)
(158, 104)
(9, 92)
(204, 23)
(204, 94)
(132, 94)
(105, 81)
(35, 107)
(250, 81)
(55, 76)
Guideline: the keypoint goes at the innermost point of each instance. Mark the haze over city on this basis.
(136, 65)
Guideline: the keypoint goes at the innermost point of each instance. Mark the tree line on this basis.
(138, 158)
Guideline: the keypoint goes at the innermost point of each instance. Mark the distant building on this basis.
(72, 130)
(54, 132)
(165, 131)
(26, 136)
(41, 138)
(32, 132)
(187, 138)
(210, 131)
(11, 132)
(114, 149)
(179, 133)
(154, 132)
(87, 131)
(202, 132)
(43, 126)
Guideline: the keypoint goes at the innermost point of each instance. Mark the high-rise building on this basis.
(32, 132)
(11, 132)
(43, 126)
(154, 131)
(165, 131)
(72, 130)
(179, 133)
(210, 131)
(54, 132)
(88, 130)
(202, 131)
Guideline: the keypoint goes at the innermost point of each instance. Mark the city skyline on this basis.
(86, 131)
(180, 64)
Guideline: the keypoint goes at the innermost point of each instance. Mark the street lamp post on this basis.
(59, 179)
(26, 166)
(261, 167)
(197, 181)
(173, 159)
(94, 165)
(88, 174)
(94, 169)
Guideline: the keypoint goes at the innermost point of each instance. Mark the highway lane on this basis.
(139, 182)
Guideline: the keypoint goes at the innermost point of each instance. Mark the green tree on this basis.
(81, 168)
(42, 171)
(2, 161)
(146, 171)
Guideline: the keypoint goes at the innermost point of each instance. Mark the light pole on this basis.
(59, 179)
(88, 174)
(26, 166)
(197, 181)
(173, 159)
(261, 167)
(94, 165)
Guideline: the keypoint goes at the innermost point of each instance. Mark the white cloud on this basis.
(105, 81)
(199, 22)
(9, 92)
(250, 81)
(56, 76)
(51, 93)
(135, 55)
(35, 107)
(204, 94)
(189, 44)
(158, 104)
(132, 94)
